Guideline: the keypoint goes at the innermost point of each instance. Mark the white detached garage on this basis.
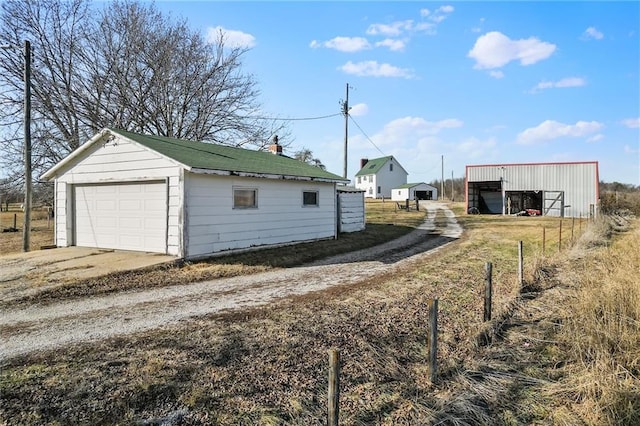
(126, 191)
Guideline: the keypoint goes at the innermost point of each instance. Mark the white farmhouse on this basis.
(122, 190)
(379, 176)
(414, 191)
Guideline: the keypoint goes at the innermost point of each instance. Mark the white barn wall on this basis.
(118, 161)
(579, 181)
(213, 225)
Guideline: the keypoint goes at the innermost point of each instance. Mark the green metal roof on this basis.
(372, 166)
(210, 156)
(409, 185)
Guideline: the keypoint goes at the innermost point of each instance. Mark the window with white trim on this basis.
(245, 198)
(310, 198)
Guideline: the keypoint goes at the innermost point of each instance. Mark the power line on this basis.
(365, 135)
(298, 119)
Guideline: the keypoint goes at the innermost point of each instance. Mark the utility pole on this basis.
(345, 111)
(26, 229)
(442, 197)
(26, 236)
(452, 196)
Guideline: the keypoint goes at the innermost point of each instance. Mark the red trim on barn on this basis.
(533, 164)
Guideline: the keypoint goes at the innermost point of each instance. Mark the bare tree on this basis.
(128, 67)
(306, 155)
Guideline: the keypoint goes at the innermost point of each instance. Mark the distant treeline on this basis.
(619, 197)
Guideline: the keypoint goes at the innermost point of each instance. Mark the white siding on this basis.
(385, 178)
(388, 179)
(363, 183)
(117, 161)
(352, 214)
(579, 181)
(213, 225)
(400, 194)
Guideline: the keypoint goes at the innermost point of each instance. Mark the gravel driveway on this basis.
(58, 324)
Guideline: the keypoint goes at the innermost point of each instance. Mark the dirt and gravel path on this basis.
(41, 327)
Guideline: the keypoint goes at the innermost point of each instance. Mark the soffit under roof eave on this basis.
(264, 175)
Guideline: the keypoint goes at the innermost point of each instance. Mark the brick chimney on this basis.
(363, 162)
(275, 148)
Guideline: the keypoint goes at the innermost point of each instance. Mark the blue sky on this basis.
(475, 82)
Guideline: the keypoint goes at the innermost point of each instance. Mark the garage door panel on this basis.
(153, 206)
(132, 205)
(126, 216)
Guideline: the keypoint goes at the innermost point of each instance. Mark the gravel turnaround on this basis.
(44, 327)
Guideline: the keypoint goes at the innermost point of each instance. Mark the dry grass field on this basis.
(561, 350)
(41, 230)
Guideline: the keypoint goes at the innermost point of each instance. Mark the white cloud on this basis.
(440, 14)
(592, 33)
(445, 9)
(393, 30)
(565, 82)
(494, 50)
(375, 69)
(496, 74)
(632, 123)
(476, 148)
(398, 28)
(595, 138)
(343, 44)
(417, 127)
(549, 129)
(393, 44)
(629, 150)
(478, 29)
(358, 110)
(232, 38)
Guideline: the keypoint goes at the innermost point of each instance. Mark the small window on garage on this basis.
(359, 179)
(245, 198)
(391, 167)
(310, 198)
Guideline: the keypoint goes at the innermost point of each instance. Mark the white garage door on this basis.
(124, 217)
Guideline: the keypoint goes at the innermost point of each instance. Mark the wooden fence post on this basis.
(334, 388)
(544, 240)
(432, 339)
(15, 218)
(520, 265)
(488, 270)
(580, 223)
(560, 236)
